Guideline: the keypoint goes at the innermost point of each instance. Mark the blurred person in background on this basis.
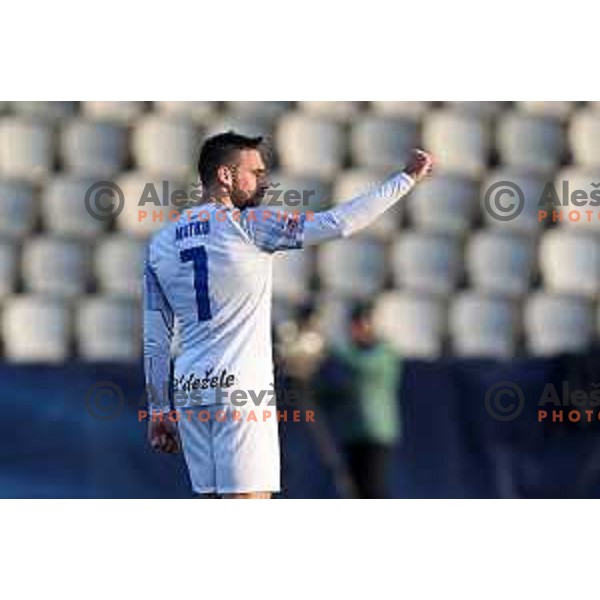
(358, 391)
(300, 352)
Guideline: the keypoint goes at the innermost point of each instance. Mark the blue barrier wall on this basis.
(51, 446)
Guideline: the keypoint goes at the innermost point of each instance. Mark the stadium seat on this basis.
(444, 203)
(485, 108)
(584, 138)
(17, 209)
(499, 196)
(555, 324)
(482, 326)
(35, 329)
(94, 148)
(570, 262)
(198, 111)
(354, 182)
(291, 275)
(334, 317)
(121, 112)
(424, 262)
(244, 124)
(530, 142)
(163, 145)
(413, 324)
(26, 149)
(310, 146)
(338, 111)
(53, 266)
(269, 111)
(290, 193)
(146, 208)
(581, 181)
(382, 143)
(552, 108)
(499, 263)
(108, 329)
(8, 268)
(352, 267)
(48, 111)
(118, 265)
(64, 209)
(459, 141)
(411, 110)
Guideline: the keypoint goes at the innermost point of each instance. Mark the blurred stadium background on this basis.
(468, 300)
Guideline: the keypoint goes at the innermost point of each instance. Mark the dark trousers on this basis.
(369, 464)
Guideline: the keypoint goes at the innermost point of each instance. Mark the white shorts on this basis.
(231, 450)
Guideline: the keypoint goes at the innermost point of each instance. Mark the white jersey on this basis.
(212, 272)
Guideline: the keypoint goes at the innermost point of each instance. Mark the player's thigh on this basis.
(196, 443)
(246, 450)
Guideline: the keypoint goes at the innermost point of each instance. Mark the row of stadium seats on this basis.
(489, 261)
(199, 111)
(43, 329)
(446, 203)
(66, 268)
(39, 328)
(422, 261)
(494, 263)
(474, 325)
(307, 145)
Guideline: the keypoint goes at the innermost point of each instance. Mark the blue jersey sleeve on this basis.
(273, 231)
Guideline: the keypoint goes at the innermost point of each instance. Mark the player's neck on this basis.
(218, 198)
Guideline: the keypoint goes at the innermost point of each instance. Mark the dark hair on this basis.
(220, 149)
(361, 311)
(305, 312)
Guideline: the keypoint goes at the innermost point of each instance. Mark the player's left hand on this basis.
(163, 436)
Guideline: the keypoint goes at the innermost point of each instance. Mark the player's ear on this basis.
(224, 175)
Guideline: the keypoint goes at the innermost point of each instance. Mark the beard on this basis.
(242, 199)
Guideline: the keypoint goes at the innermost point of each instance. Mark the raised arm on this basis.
(272, 233)
(358, 213)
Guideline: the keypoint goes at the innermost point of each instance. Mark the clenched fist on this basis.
(420, 164)
(163, 436)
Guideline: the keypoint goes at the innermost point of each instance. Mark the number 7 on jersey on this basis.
(197, 255)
